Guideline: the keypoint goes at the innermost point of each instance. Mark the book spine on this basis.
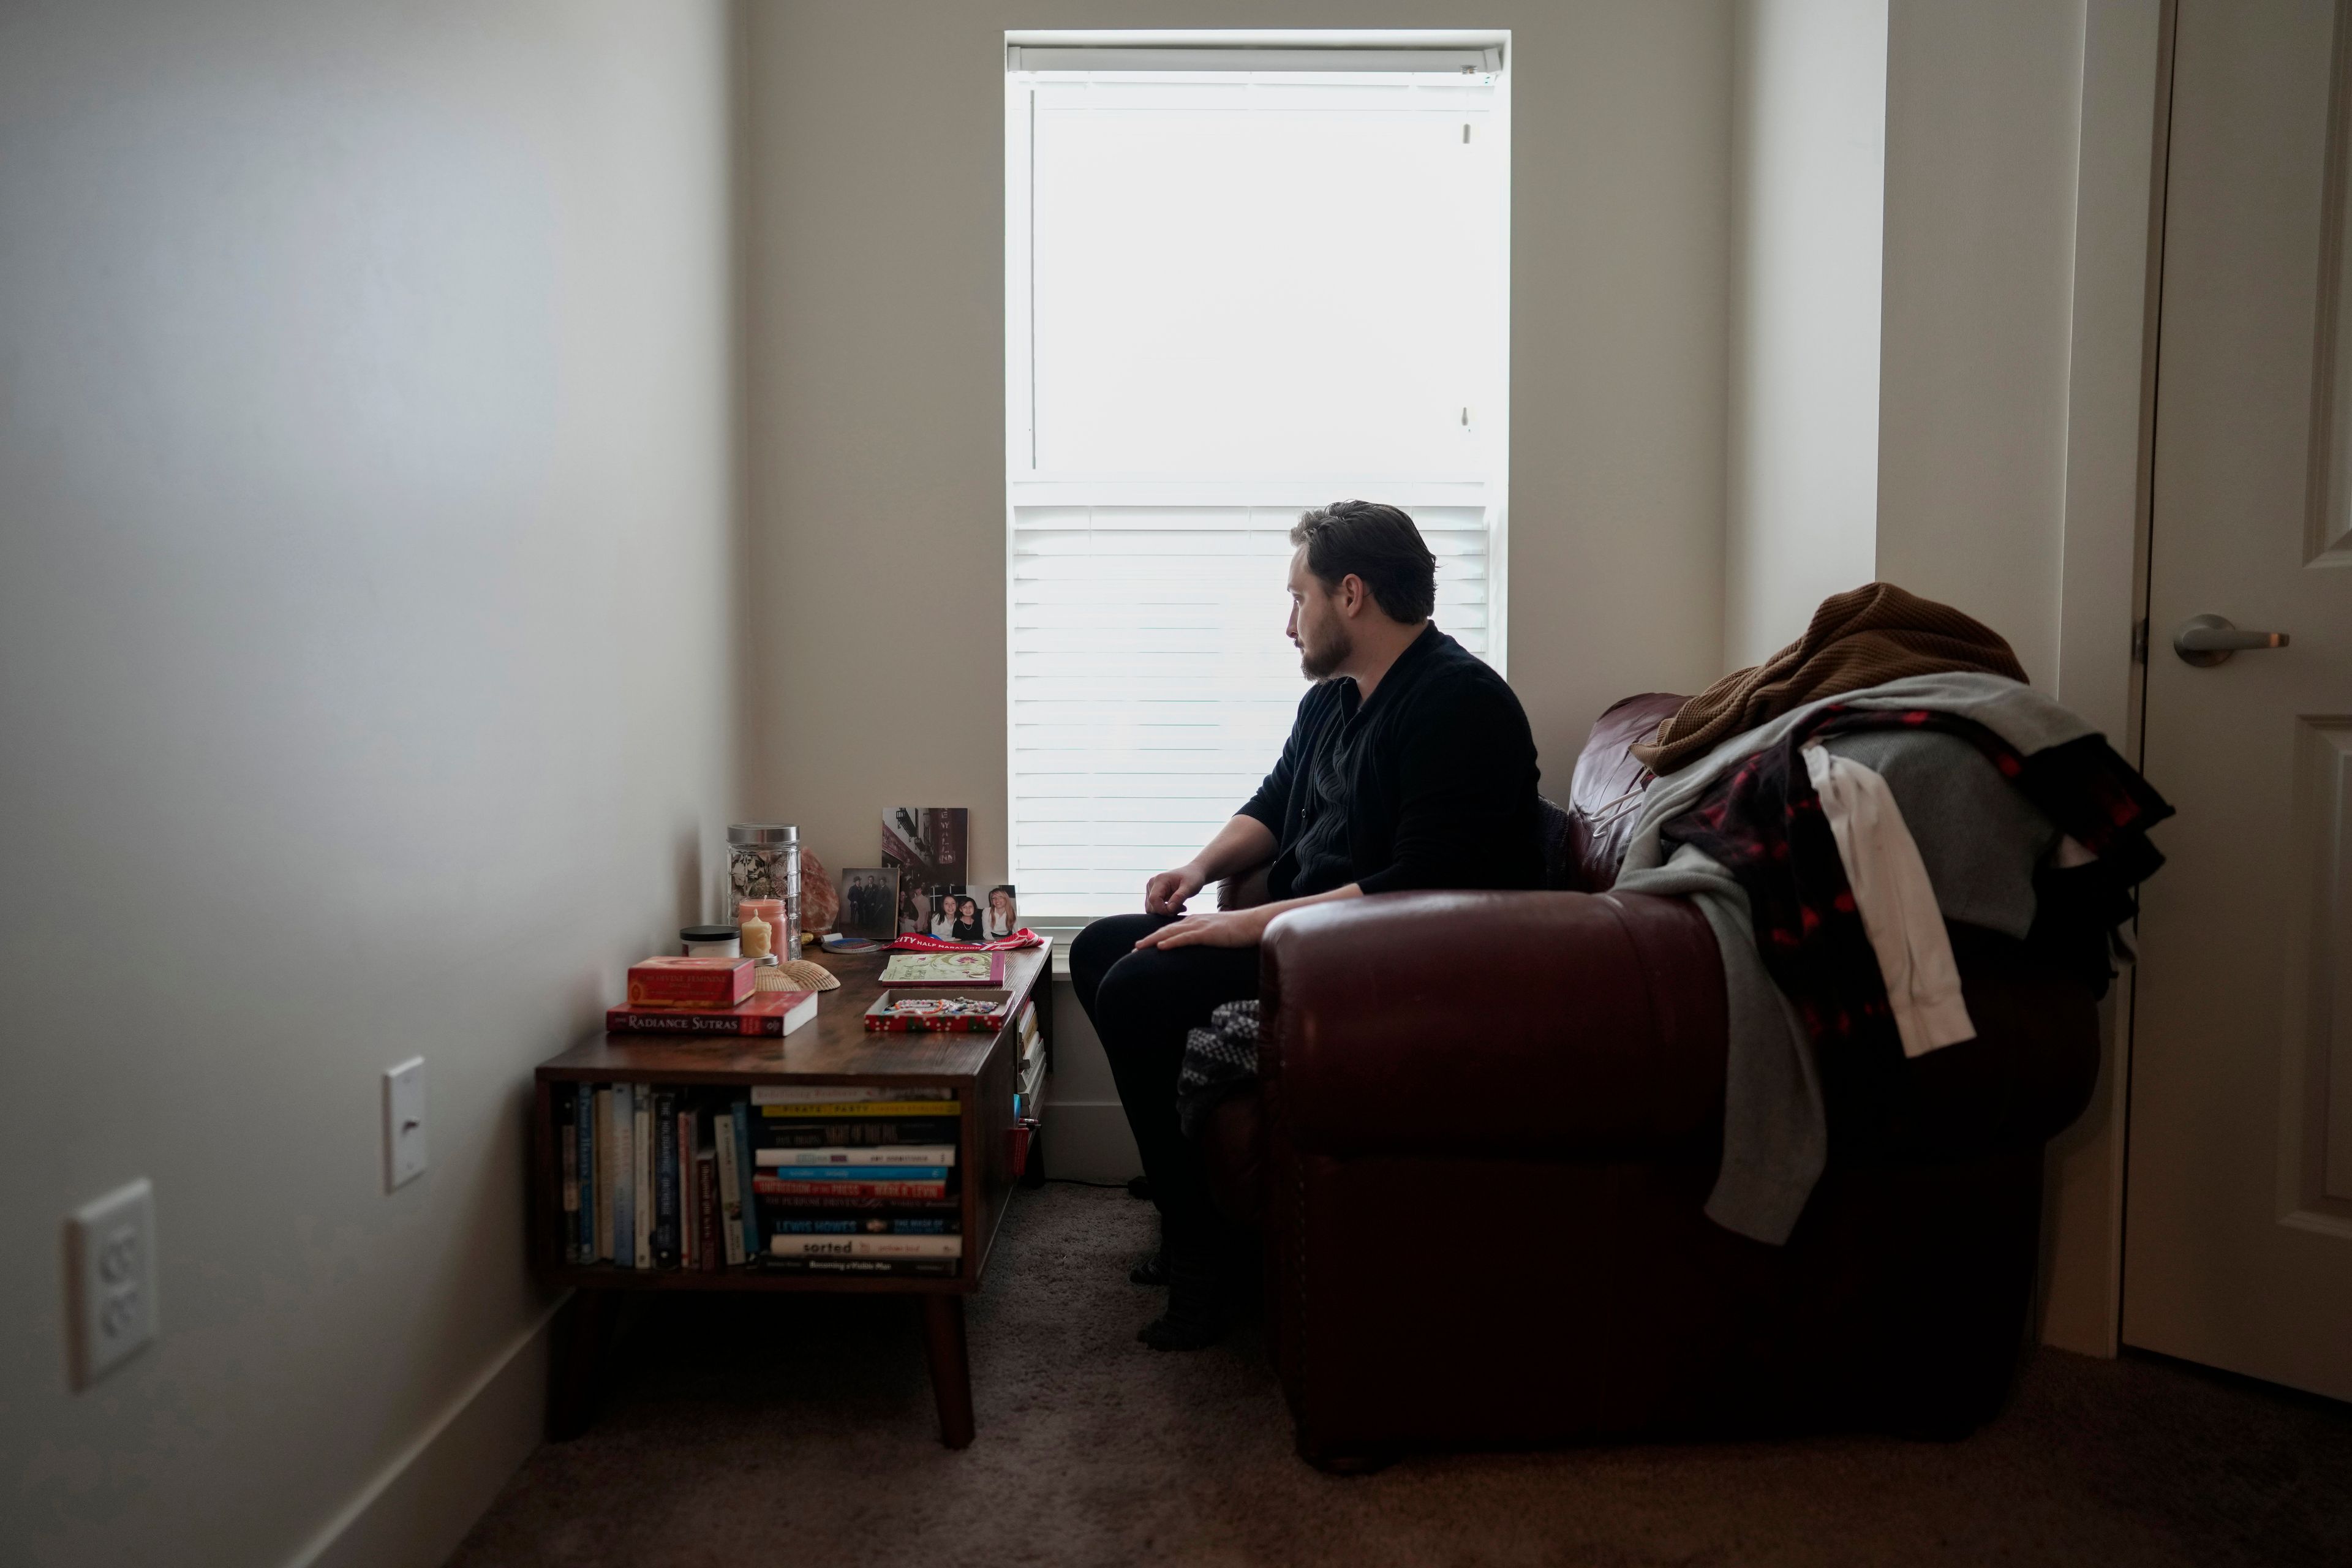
(706, 1221)
(871, 1154)
(766, 1187)
(690, 1190)
(845, 1134)
(740, 1113)
(666, 1193)
(583, 1121)
(866, 1246)
(947, 1266)
(569, 1136)
(643, 1021)
(730, 1185)
(855, 1173)
(617, 1234)
(892, 1108)
(690, 1196)
(877, 1226)
(624, 1175)
(681, 1133)
(645, 1207)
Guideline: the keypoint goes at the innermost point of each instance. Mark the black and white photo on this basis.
(869, 902)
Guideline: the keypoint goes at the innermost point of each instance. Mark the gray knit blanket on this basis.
(1218, 1060)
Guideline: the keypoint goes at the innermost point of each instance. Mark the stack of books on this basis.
(706, 996)
(823, 1180)
(1030, 1082)
(857, 1180)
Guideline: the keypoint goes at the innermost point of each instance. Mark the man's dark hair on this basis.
(1378, 543)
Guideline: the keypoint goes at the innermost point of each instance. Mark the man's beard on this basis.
(1317, 664)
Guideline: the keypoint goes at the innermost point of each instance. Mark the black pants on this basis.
(1142, 1006)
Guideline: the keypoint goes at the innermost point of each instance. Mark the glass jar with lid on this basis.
(764, 861)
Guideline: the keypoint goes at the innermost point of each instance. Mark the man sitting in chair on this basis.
(1410, 766)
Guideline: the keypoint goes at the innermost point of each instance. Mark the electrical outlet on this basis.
(110, 1274)
(404, 1123)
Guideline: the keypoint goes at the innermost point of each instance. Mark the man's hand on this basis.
(1219, 928)
(1165, 894)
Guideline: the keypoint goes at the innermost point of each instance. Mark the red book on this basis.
(769, 1186)
(769, 1013)
(691, 982)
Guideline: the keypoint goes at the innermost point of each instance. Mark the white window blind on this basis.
(1232, 294)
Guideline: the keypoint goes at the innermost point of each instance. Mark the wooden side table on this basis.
(980, 1071)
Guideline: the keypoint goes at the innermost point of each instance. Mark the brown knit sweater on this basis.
(1864, 636)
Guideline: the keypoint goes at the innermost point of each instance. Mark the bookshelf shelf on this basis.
(837, 1049)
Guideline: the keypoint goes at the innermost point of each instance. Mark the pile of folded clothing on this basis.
(1828, 811)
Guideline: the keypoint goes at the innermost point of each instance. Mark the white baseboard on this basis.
(1085, 1129)
(419, 1506)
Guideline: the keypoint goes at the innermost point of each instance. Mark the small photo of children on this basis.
(955, 914)
(1004, 916)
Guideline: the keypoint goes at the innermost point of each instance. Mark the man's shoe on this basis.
(1152, 1270)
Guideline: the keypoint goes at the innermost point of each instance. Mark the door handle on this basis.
(2208, 640)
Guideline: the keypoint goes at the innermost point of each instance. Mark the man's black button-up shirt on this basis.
(1432, 783)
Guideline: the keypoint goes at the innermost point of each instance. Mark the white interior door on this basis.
(2237, 1216)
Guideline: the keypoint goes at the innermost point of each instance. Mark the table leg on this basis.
(574, 1361)
(943, 1345)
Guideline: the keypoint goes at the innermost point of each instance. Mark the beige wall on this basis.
(1983, 103)
(365, 637)
(1808, 121)
(2110, 416)
(876, 422)
(2015, 369)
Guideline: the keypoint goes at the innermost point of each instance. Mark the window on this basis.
(1239, 281)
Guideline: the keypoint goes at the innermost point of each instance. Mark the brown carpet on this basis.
(801, 1431)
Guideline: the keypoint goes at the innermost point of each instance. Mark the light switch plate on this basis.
(110, 1274)
(404, 1123)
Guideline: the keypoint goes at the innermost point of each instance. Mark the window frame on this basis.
(1026, 486)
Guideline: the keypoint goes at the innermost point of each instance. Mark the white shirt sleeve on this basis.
(1896, 900)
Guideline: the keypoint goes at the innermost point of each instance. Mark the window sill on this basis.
(1058, 930)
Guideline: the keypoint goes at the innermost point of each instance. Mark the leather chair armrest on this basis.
(1246, 891)
(1538, 1025)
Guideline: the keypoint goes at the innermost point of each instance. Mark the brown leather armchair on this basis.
(1486, 1126)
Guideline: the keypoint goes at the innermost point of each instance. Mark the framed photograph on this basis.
(869, 902)
(1001, 916)
(955, 912)
(926, 843)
